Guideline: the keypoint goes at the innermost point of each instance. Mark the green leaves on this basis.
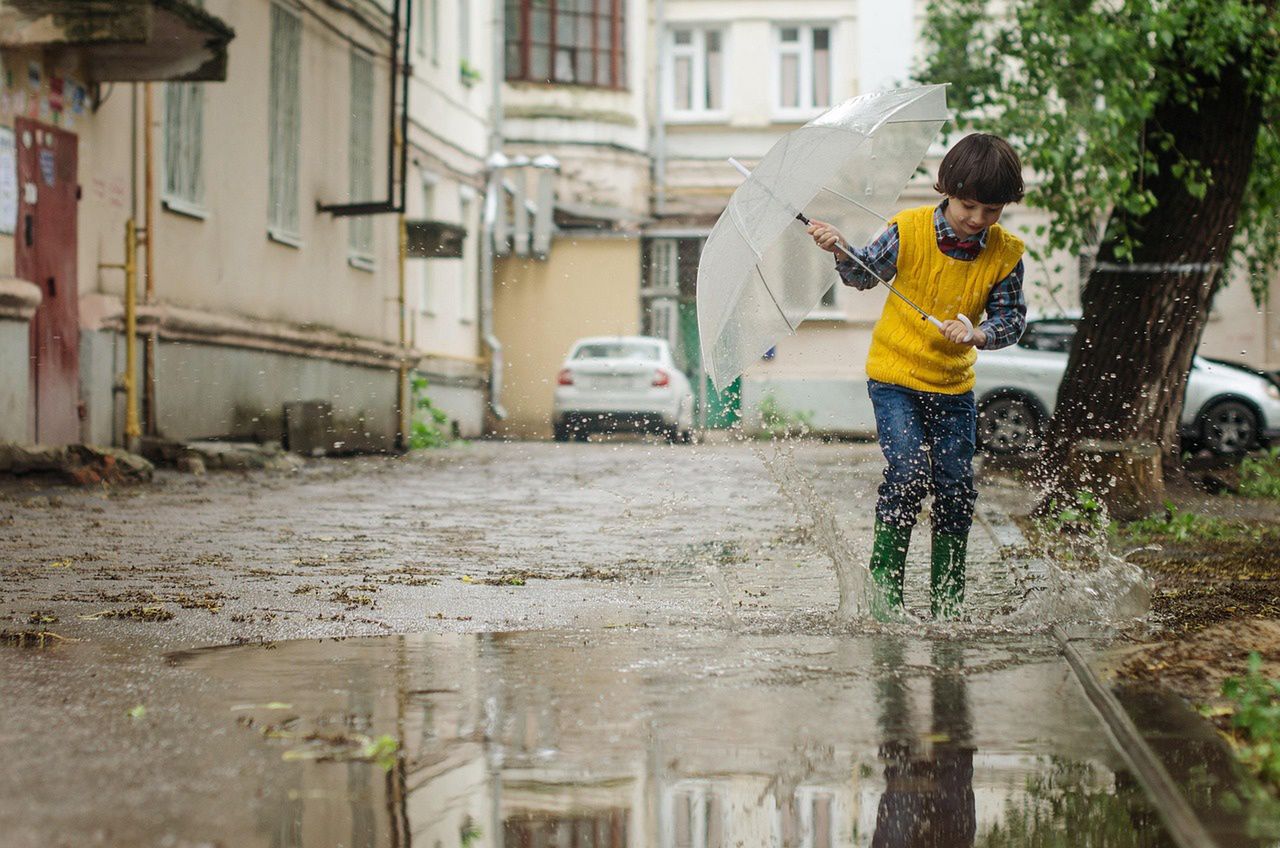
(1075, 84)
(1256, 719)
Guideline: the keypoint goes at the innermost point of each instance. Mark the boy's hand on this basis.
(956, 331)
(825, 236)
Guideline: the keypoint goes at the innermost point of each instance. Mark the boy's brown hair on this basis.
(981, 167)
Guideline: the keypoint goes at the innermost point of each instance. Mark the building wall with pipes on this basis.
(248, 317)
(450, 104)
(232, 292)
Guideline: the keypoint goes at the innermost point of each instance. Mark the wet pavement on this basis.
(605, 644)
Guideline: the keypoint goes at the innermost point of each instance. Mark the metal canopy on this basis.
(124, 40)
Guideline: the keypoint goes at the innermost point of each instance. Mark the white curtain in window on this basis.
(183, 142)
(360, 152)
(804, 67)
(285, 114)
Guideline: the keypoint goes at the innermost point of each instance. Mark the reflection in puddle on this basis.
(678, 740)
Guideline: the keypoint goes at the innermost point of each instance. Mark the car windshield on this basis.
(1052, 336)
(618, 350)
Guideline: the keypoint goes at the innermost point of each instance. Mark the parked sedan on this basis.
(622, 383)
(1228, 408)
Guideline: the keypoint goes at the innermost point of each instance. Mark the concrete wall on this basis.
(1240, 330)
(208, 391)
(590, 285)
(15, 380)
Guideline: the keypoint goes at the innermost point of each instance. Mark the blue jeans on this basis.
(928, 441)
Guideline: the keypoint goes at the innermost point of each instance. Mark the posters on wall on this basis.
(8, 182)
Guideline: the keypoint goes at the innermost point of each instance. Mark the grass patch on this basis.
(1260, 475)
(1178, 526)
(1255, 720)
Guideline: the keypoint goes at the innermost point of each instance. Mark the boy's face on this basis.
(969, 217)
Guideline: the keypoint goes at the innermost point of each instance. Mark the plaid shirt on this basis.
(1006, 306)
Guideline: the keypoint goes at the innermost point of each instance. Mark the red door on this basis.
(45, 254)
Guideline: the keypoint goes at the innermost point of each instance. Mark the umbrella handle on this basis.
(962, 318)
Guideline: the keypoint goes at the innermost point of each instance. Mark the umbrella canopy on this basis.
(760, 273)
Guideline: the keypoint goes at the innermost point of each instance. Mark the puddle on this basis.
(673, 739)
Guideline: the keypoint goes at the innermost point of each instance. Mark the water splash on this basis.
(851, 574)
(1107, 591)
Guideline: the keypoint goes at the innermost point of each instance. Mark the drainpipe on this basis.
(131, 428)
(492, 196)
(149, 240)
(659, 116)
(493, 166)
(404, 414)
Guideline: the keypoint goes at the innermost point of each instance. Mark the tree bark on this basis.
(1143, 318)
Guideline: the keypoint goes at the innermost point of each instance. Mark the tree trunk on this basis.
(1143, 318)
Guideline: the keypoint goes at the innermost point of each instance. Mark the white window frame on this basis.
(184, 149)
(467, 292)
(697, 53)
(284, 131)
(803, 49)
(435, 33)
(426, 292)
(705, 798)
(464, 31)
(360, 247)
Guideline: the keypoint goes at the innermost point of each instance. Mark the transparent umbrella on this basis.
(760, 273)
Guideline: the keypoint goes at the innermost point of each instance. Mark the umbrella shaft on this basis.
(923, 315)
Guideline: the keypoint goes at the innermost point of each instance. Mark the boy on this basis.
(949, 259)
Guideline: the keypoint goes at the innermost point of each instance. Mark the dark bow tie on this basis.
(947, 243)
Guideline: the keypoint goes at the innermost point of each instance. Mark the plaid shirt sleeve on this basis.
(1006, 311)
(881, 256)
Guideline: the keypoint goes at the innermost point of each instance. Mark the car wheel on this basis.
(1008, 424)
(561, 431)
(1229, 427)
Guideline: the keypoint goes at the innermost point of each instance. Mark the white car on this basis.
(1228, 408)
(610, 383)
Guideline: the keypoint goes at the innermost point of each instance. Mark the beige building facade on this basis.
(265, 300)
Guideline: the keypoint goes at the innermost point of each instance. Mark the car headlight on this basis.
(1273, 391)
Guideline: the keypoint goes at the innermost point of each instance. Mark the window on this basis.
(566, 41)
(360, 159)
(464, 31)
(696, 73)
(1049, 335)
(695, 816)
(285, 126)
(803, 69)
(183, 147)
(643, 351)
(425, 303)
(432, 42)
(466, 278)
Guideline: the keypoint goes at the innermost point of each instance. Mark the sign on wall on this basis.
(8, 182)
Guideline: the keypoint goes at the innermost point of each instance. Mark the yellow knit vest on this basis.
(909, 351)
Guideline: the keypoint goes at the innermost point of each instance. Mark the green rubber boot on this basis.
(888, 567)
(946, 584)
